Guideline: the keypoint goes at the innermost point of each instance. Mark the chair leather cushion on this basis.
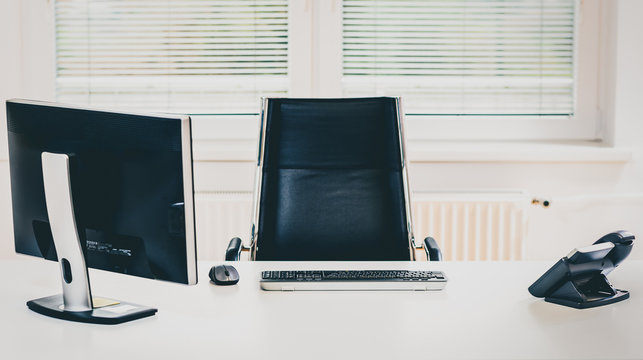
(332, 185)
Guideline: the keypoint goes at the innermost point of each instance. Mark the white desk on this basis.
(485, 312)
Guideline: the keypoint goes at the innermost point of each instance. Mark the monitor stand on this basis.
(76, 302)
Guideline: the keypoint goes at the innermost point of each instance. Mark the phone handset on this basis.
(623, 241)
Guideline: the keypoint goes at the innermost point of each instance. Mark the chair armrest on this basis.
(233, 252)
(432, 249)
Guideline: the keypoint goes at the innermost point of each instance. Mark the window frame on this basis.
(584, 124)
(315, 67)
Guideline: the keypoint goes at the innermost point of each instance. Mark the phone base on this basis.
(587, 291)
(619, 296)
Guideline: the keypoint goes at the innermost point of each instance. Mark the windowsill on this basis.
(515, 152)
(245, 150)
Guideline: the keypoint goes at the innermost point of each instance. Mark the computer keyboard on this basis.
(296, 280)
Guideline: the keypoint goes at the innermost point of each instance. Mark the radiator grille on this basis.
(473, 226)
(221, 216)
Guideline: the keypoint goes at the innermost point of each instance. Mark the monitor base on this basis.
(117, 313)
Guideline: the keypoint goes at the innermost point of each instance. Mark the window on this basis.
(483, 69)
(462, 57)
(193, 56)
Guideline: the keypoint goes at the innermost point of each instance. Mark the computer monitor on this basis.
(101, 189)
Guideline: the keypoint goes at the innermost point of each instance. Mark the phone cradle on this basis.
(587, 291)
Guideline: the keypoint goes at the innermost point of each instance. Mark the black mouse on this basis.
(224, 275)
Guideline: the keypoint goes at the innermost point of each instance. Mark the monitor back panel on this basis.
(127, 187)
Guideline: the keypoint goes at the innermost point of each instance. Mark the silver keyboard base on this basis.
(353, 285)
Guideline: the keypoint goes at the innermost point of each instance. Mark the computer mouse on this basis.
(224, 275)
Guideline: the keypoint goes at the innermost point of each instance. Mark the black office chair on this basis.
(331, 183)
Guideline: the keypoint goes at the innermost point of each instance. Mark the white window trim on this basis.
(317, 73)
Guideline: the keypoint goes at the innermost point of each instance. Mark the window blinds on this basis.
(462, 57)
(194, 56)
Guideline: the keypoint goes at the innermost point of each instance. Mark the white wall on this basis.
(569, 222)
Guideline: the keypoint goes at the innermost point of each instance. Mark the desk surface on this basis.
(485, 312)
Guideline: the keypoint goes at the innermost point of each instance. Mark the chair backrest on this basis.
(331, 181)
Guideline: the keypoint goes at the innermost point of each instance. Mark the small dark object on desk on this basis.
(224, 275)
(579, 279)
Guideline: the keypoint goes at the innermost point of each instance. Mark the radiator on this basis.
(473, 226)
(220, 216)
(467, 226)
